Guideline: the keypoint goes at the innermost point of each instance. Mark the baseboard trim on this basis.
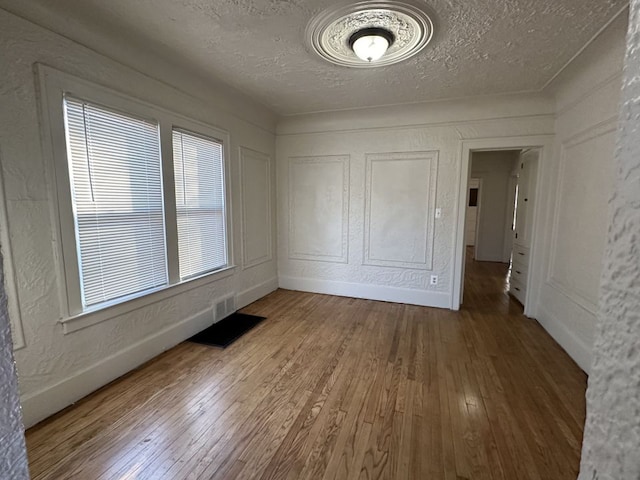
(424, 298)
(252, 294)
(574, 347)
(40, 405)
(44, 403)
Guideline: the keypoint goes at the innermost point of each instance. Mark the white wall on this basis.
(357, 193)
(54, 368)
(13, 454)
(612, 432)
(494, 169)
(578, 187)
(471, 220)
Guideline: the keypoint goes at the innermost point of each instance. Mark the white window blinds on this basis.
(116, 182)
(200, 203)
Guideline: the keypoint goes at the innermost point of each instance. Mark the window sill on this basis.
(87, 319)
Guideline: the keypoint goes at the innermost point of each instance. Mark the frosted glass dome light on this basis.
(370, 44)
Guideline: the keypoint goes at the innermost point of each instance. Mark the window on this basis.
(142, 199)
(198, 173)
(116, 181)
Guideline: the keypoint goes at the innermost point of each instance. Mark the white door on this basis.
(526, 197)
(473, 206)
(518, 280)
(510, 219)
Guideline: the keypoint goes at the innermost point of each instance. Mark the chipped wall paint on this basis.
(13, 452)
(612, 433)
(56, 369)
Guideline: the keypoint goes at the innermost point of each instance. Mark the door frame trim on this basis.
(478, 206)
(467, 147)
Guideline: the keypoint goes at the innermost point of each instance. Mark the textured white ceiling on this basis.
(480, 47)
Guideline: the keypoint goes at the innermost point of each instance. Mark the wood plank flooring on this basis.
(338, 388)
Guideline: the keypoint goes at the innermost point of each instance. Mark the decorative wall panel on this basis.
(319, 208)
(399, 210)
(255, 174)
(584, 185)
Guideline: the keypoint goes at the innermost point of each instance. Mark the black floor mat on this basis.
(227, 331)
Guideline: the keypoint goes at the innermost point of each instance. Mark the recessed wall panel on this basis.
(319, 208)
(399, 210)
(256, 207)
(585, 183)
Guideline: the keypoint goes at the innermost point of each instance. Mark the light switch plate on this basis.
(438, 212)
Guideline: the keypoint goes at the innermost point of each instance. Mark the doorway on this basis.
(473, 207)
(492, 171)
(542, 145)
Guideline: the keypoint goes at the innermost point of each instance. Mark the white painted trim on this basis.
(424, 298)
(573, 296)
(87, 319)
(256, 292)
(574, 347)
(584, 47)
(408, 126)
(476, 241)
(474, 182)
(592, 132)
(508, 222)
(616, 77)
(40, 405)
(53, 84)
(545, 143)
(243, 152)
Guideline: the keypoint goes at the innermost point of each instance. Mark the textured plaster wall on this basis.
(494, 168)
(612, 434)
(578, 187)
(363, 137)
(55, 369)
(13, 453)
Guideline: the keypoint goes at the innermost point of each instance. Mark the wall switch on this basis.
(433, 280)
(438, 212)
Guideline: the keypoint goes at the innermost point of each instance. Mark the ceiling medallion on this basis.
(370, 33)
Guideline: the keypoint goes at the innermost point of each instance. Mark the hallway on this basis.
(332, 387)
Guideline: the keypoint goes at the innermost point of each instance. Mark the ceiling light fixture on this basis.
(370, 44)
(370, 33)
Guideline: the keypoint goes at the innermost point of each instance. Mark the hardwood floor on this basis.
(332, 387)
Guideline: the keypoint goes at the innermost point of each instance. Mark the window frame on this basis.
(224, 210)
(54, 85)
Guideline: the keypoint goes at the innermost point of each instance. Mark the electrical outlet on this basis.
(434, 280)
(438, 212)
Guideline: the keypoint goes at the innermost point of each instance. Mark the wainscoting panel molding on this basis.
(581, 202)
(255, 172)
(319, 208)
(399, 209)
